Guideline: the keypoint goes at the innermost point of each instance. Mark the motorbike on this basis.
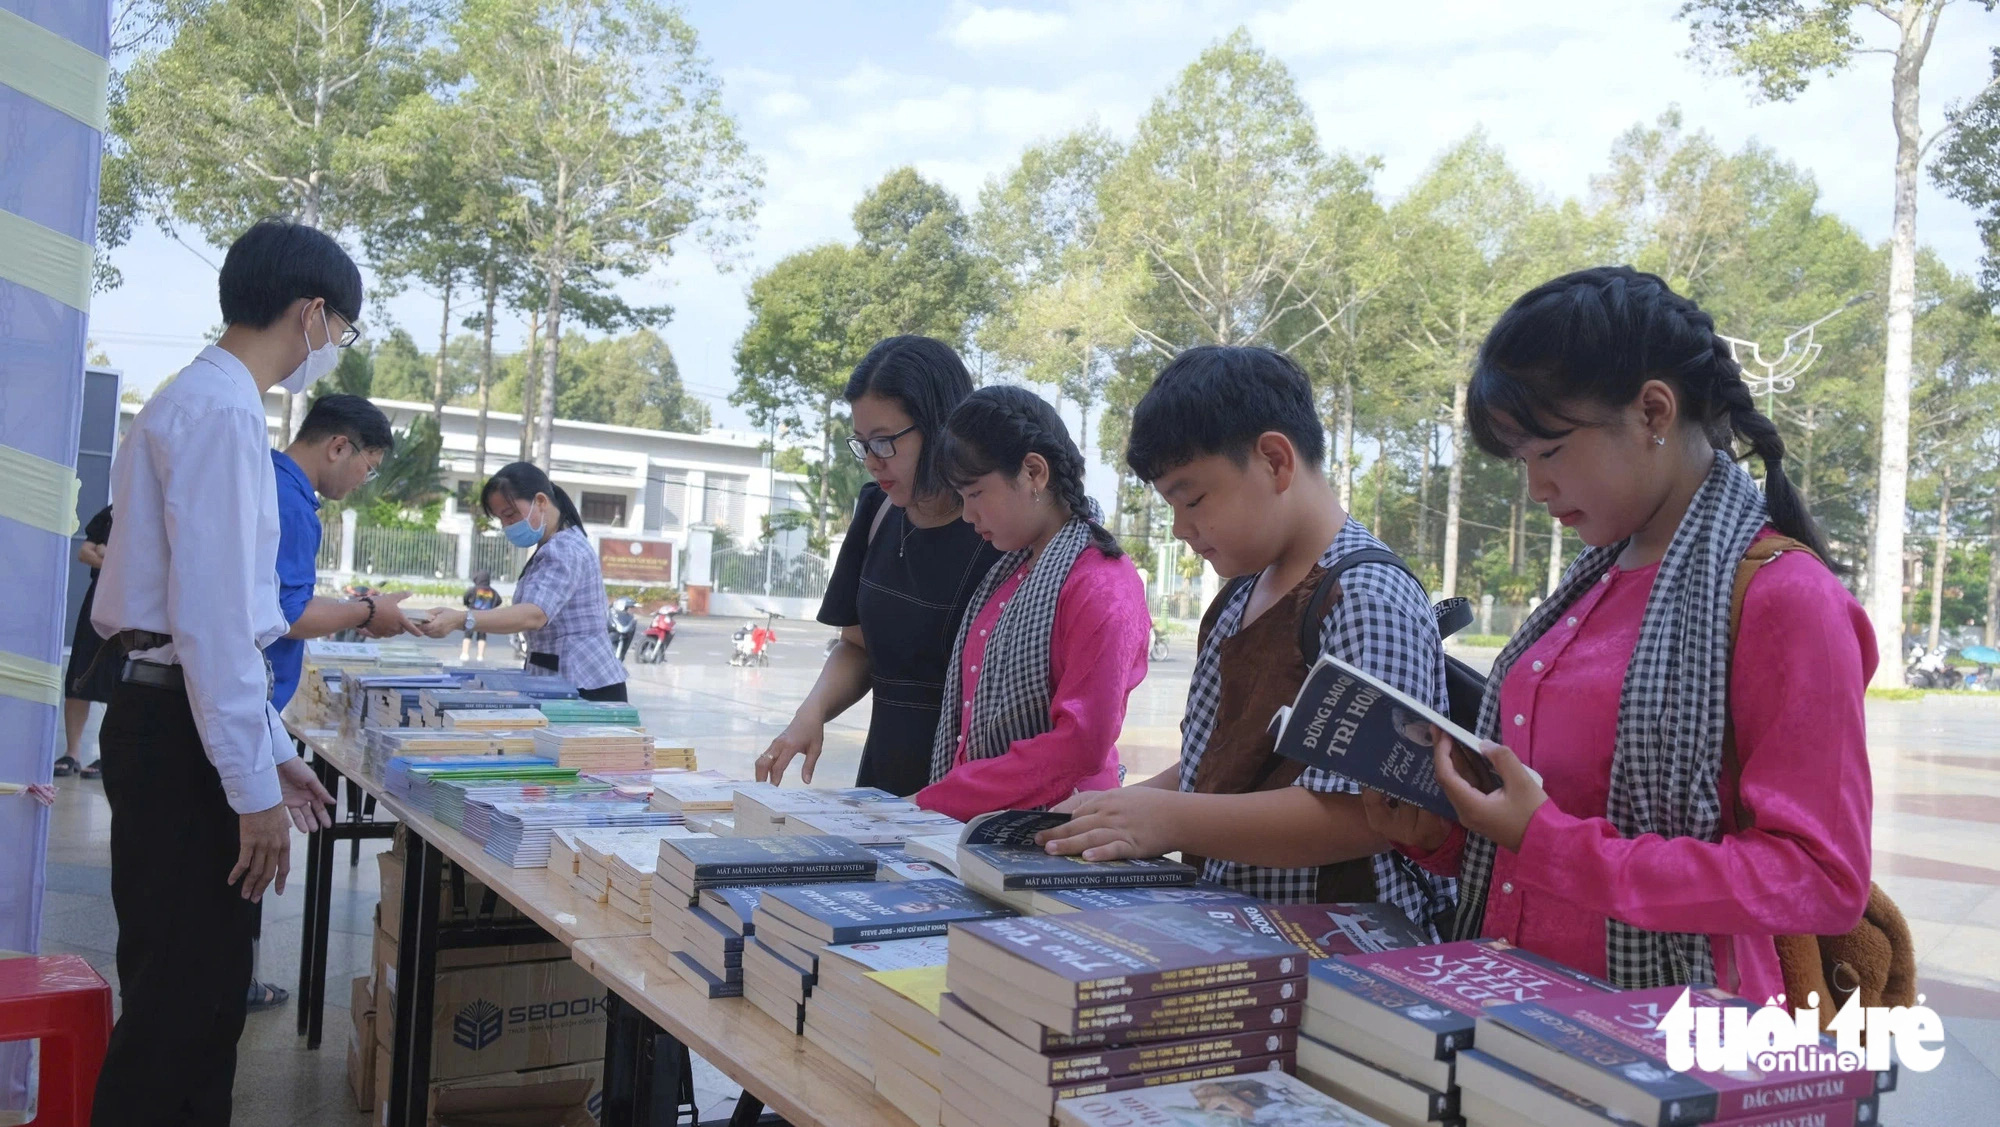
(659, 635)
(751, 645)
(624, 627)
(1157, 651)
(1926, 669)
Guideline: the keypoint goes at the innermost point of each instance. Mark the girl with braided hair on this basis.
(1699, 795)
(1059, 627)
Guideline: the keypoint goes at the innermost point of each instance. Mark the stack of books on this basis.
(893, 862)
(571, 710)
(700, 792)
(383, 701)
(1383, 1030)
(1260, 1097)
(595, 747)
(496, 719)
(380, 745)
(412, 778)
(903, 1041)
(840, 1016)
(468, 804)
(871, 825)
(1047, 1008)
(761, 809)
(673, 754)
(617, 870)
(520, 830)
(703, 942)
(796, 925)
(1595, 1060)
(997, 855)
(433, 703)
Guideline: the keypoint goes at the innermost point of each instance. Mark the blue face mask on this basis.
(522, 534)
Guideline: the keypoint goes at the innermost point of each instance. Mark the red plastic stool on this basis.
(59, 999)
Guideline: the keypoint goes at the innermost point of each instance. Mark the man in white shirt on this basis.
(204, 785)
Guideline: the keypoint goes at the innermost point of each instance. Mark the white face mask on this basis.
(317, 364)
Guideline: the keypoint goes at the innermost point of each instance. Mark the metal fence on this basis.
(800, 575)
(405, 552)
(329, 542)
(493, 554)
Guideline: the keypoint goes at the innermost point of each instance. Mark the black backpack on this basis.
(1465, 687)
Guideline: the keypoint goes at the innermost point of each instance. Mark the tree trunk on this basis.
(545, 435)
(1991, 633)
(1943, 558)
(1381, 483)
(825, 469)
(1517, 521)
(1454, 490)
(485, 372)
(297, 405)
(1347, 441)
(437, 372)
(1892, 488)
(1422, 533)
(1555, 554)
(529, 372)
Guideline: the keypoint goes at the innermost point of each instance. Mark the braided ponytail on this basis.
(995, 429)
(1594, 338)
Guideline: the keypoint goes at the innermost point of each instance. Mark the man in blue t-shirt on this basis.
(338, 449)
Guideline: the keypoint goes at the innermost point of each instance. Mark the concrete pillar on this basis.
(465, 542)
(700, 578)
(348, 520)
(695, 508)
(1486, 614)
(1211, 585)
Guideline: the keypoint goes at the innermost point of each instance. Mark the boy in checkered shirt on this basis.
(1230, 438)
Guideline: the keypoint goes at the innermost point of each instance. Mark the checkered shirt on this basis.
(563, 579)
(1382, 624)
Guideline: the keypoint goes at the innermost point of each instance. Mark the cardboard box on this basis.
(389, 864)
(570, 1095)
(361, 1045)
(505, 1018)
(384, 977)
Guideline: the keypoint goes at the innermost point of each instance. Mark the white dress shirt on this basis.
(195, 555)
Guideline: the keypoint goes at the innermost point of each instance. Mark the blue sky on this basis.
(833, 94)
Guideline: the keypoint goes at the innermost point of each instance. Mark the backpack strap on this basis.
(1735, 815)
(1322, 600)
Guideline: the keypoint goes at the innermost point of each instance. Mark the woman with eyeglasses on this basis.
(907, 570)
(559, 600)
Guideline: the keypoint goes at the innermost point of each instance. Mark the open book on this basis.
(1353, 724)
(996, 854)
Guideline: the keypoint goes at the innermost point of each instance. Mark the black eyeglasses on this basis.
(349, 335)
(883, 447)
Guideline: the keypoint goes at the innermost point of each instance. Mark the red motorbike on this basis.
(659, 635)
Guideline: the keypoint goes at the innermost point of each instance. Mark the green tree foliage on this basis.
(921, 275)
(1968, 169)
(613, 141)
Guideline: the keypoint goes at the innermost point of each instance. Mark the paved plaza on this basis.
(1937, 851)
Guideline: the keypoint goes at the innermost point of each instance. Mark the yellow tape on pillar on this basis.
(30, 679)
(45, 260)
(39, 492)
(52, 70)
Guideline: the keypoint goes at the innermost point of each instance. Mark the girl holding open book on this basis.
(1698, 798)
(1059, 626)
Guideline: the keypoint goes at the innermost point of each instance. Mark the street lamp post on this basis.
(1774, 377)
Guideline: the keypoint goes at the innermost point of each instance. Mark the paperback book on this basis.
(853, 912)
(1263, 1097)
(748, 859)
(1201, 1013)
(1427, 1000)
(997, 853)
(1323, 930)
(1495, 1092)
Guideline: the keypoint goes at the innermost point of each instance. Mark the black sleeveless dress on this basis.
(907, 590)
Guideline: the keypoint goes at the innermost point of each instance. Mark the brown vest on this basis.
(1261, 669)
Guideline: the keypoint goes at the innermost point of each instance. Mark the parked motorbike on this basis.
(751, 645)
(1926, 669)
(659, 635)
(624, 627)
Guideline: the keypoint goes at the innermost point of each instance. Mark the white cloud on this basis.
(983, 28)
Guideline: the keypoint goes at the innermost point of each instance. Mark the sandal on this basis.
(94, 770)
(265, 996)
(65, 766)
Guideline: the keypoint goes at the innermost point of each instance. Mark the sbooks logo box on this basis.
(479, 1023)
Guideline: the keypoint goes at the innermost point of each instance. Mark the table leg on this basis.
(416, 979)
(308, 940)
(623, 1027)
(320, 895)
(355, 806)
(750, 1112)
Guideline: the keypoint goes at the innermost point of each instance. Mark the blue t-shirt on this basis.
(298, 570)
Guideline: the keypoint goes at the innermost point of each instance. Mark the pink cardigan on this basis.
(1097, 656)
(1804, 655)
